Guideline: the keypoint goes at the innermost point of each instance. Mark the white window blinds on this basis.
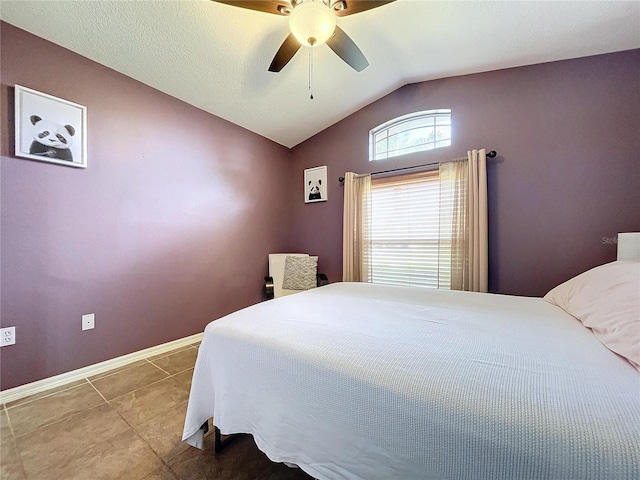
(406, 243)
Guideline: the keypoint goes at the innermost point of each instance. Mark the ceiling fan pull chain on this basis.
(311, 73)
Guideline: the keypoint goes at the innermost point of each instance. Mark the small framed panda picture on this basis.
(315, 184)
(50, 129)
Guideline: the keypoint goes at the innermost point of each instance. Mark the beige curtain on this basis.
(463, 222)
(356, 223)
(452, 245)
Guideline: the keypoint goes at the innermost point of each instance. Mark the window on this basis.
(406, 246)
(415, 132)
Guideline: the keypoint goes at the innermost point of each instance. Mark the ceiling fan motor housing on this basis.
(312, 23)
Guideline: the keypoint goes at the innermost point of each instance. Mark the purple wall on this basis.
(162, 233)
(566, 179)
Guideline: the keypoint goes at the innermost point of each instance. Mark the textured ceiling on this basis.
(215, 56)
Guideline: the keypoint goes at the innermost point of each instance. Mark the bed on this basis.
(363, 381)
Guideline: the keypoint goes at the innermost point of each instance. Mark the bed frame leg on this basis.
(205, 427)
(217, 441)
(219, 444)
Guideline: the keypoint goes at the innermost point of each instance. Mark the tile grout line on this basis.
(166, 464)
(15, 442)
(159, 368)
(61, 419)
(117, 370)
(172, 375)
(6, 412)
(133, 427)
(169, 375)
(11, 392)
(41, 397)
(135, 430)
(148, 360)
(108, 402)
(140, 388)
(57, 422)
(135, 390)
(129, 425)
(98, 391)
(86, 379)
(162, 460)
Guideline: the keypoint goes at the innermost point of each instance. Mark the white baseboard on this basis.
(22, 391)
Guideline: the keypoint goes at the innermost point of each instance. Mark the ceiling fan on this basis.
(312, 23)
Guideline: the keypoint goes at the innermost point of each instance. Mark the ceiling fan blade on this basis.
(347, 50)
(278, 7)
(342, 8)
(285, 53)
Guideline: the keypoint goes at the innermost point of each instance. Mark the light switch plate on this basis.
(88, 321)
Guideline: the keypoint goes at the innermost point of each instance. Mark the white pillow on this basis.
(276, 271)
(300, 273)
(606, 299)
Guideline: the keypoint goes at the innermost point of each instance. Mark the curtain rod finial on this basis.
(491, 154)
(341, 179)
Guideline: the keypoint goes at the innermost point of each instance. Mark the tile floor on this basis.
(124, 424)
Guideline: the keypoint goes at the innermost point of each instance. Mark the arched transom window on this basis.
(411, 133)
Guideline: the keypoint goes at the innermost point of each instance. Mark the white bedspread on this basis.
(361, 381)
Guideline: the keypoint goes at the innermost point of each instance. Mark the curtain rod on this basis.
(490, 154)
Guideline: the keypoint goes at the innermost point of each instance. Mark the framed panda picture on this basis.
(50, 129)
(315, 184)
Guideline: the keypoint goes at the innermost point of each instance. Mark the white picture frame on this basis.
(50, 129)
(315, 185)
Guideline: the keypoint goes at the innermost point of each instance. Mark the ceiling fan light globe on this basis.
(312, 20)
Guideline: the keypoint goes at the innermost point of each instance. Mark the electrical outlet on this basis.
(8, 336)
(88, 321)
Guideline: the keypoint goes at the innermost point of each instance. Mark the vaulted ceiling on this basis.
(216, 56)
